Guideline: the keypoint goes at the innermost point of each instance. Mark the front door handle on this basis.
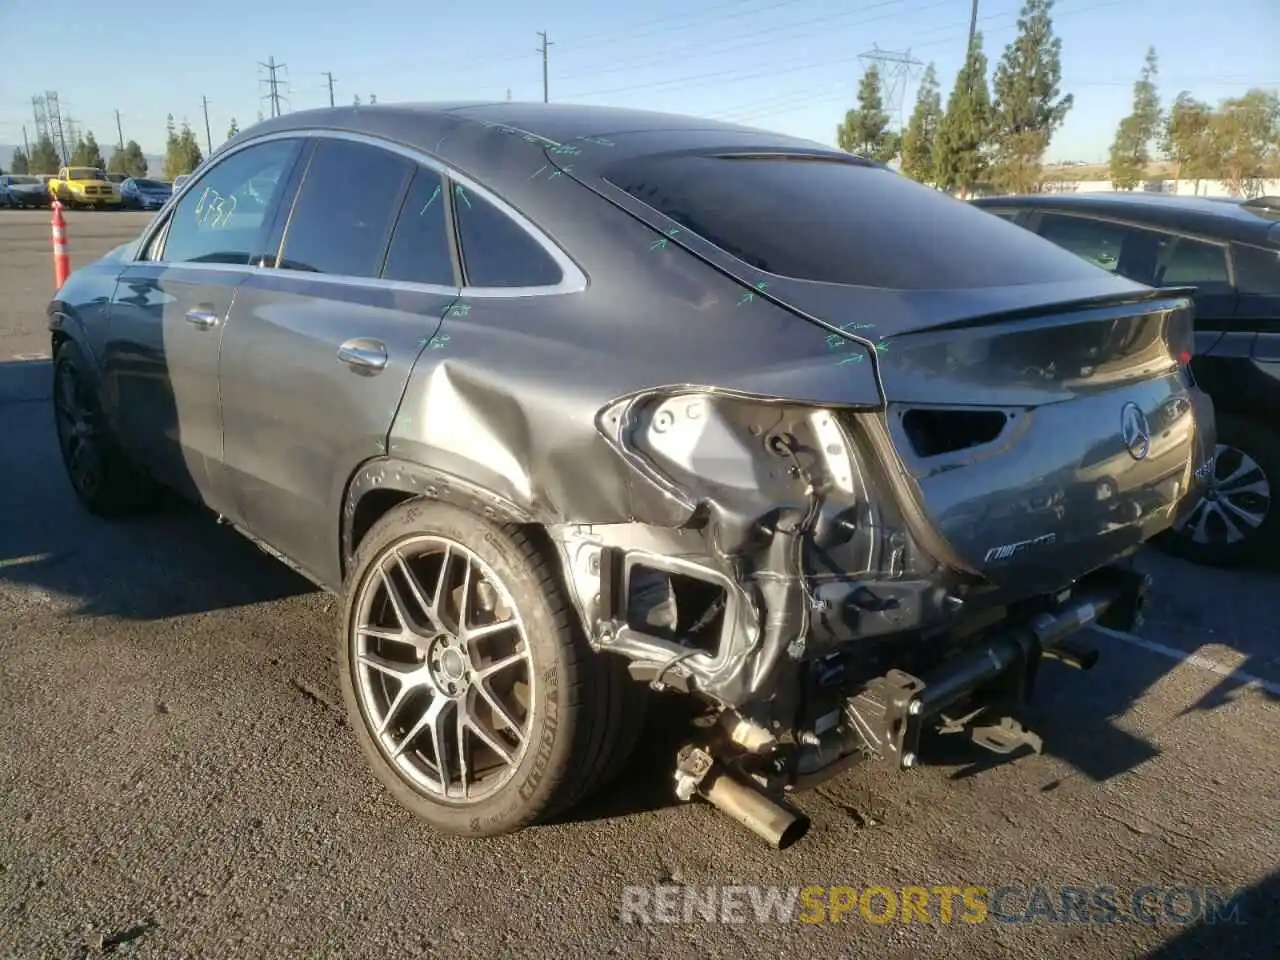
(204, 319)
(364, 355)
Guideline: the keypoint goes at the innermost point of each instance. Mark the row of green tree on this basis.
(994, 136)
(980, 140)
(182, 154)
(1237, 142)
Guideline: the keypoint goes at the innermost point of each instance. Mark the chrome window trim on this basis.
(572, 278)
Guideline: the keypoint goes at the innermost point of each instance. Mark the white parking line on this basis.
(1194, 659)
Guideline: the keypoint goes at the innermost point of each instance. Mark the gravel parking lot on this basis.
(177, 779)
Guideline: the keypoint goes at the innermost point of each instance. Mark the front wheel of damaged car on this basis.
(470, 687)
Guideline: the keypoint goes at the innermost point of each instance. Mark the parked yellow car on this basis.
(84, 187)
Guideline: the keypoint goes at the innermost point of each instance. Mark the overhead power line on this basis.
(731, 43)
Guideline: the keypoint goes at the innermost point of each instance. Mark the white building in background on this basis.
(1184, 188)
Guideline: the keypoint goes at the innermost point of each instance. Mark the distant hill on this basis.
(155, 163)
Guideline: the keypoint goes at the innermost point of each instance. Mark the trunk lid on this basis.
(1043, 434)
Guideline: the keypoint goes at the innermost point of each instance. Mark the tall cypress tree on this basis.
(865, 131)
(1130, 152)
(961, 153)
(922, 130)
(1027, 109)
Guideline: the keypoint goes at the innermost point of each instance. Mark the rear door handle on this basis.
(364, 355)
(204, 319)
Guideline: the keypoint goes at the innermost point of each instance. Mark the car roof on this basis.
(1227, 218)
(628, 132)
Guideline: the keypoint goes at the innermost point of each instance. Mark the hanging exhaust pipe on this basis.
(698, 772)
(777, 825)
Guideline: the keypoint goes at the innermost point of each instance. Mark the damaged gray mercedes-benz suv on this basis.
(570, 402)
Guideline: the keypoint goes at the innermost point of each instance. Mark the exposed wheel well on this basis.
(373, 505)
(370, 508)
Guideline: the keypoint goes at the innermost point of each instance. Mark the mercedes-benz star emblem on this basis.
(1134, 431)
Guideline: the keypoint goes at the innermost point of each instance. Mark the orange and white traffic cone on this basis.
(61, 261)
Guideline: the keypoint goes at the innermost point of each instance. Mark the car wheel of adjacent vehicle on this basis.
(1236, 521)
(467, 678)
(102, 477)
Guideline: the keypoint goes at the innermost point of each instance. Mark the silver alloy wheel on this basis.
(442, 669)
(1233, 506)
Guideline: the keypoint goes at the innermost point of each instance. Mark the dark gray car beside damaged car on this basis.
(1228, 252)
(570, 401)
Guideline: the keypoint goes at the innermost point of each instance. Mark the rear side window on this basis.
(1257, 270)
(419, 249)
(1194, 263)
(342, 219)
(496, 251)
(841, 222)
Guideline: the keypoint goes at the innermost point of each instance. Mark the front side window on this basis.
(346, 206)
(496, 251)
(222, 218)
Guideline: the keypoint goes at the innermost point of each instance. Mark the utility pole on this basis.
(26, 147)
(330, 76)
(973, 26)
(119, 132)
(208, 137)
(543, 50)
(273, 83)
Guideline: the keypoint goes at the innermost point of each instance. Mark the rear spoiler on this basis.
(1150, 295)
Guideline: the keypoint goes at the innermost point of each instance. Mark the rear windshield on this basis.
(18, 178)
(842, 222)
(150, 184)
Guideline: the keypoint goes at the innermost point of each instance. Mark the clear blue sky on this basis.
(788, 65)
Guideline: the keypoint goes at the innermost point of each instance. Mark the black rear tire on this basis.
(581, 712)
(1261, 445)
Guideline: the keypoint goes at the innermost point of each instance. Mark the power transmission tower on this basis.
(41, 115)
(543, 50)
(208, 137)
(896, 69)
(330, 78)
(54, 112)
(119, 132)
(373, 98)
(273, 84)
(508, 94)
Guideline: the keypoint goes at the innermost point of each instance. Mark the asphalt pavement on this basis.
(177, 778)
